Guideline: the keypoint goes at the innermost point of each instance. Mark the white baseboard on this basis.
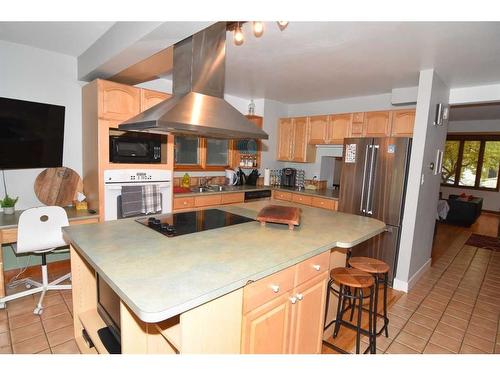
(406, 286)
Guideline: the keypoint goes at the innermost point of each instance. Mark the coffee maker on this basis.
(288, 177)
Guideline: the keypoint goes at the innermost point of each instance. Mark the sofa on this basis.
(464, 211)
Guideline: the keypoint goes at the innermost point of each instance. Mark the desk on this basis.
(8, 231)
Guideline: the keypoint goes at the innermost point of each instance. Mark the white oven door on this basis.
(114, 190)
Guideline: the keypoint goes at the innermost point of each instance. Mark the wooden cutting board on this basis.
(58, 186)
(279, 214)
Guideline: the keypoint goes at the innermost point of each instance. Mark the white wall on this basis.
(491, 199)
(346, 105)
(37, 75)
(423, 186)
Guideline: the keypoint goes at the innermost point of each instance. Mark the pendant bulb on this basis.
(282, 25)
(238, 37)
(258, 28)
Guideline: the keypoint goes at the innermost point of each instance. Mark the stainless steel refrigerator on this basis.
(373, 183)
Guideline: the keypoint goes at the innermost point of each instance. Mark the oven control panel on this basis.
(123, 176)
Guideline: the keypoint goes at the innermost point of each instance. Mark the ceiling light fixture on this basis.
(238, 37)
(282, 25)
(258, 28)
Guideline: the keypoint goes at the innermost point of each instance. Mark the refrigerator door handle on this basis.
(369, 198)
(361, 208)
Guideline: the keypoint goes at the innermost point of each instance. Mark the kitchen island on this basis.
(197, 293)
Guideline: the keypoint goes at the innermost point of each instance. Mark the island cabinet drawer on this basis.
(302, 199)
(329, 204)
(208, 200)
(183, 202)
(258, 293)
(232, 198)
(283, 195)
(312, 267)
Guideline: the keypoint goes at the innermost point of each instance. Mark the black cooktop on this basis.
(177, 224)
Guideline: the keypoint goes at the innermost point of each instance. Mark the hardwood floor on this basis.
(487, 224)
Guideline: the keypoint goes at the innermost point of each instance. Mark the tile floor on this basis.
(454, 308)
(25, 333)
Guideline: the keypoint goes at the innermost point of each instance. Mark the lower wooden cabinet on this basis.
(302, 199)
(307, 316)
(291, 322)
(266, 330)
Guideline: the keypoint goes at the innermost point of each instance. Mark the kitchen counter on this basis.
(159, 277)
(325, 193)
(11, 221)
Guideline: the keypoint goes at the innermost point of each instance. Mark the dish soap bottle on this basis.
(185, 181)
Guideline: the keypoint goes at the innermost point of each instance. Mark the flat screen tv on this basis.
(31, 134)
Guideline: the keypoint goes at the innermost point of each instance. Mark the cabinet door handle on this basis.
(299, 296)
(293, 300)
(317, 267)
(275, 288)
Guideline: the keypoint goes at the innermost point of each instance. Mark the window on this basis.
(472, 161)
(195, 153)
(186, 150)
(217, 151)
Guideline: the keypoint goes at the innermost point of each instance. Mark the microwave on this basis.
(134, 150)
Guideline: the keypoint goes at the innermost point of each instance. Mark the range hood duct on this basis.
(197, 106)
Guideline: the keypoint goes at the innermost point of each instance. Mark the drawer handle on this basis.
(275, 288)
(299, 296)
(185, 202)
(293, 300)
(317, 267)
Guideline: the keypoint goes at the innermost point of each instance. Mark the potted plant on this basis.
(8, 204)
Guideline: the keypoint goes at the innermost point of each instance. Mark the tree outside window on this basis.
(472, 162)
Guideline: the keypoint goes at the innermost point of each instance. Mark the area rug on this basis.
(484, 242)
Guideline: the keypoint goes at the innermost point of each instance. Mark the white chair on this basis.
(39, 232)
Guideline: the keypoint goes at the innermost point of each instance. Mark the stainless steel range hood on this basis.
(197, 106)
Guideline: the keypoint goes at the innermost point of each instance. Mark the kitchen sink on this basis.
(213, 188)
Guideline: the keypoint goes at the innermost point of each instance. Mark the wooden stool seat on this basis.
(369, 265)
(352, 277)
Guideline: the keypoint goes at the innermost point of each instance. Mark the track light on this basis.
(258, 28)
(282, 25)
(238, 37)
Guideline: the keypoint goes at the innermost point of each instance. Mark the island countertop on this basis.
(159, 277)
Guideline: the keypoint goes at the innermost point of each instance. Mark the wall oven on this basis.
(129, 149)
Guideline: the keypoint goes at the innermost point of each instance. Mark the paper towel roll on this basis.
(267, 177)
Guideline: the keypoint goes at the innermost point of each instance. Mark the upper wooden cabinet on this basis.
(334, 128)
(285, 139)
(403, 122)
(340, 126)
(329, 129)
(378, 124)
(293, 140)
(118, 101)
(319, 129)
(150, 98)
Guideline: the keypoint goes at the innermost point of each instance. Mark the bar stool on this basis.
(380, 271)
(348, 280)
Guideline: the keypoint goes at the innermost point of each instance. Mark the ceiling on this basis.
(313, 61)
(69, 38)
(488, 111)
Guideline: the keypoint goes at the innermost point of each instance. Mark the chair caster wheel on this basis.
(38, 311)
